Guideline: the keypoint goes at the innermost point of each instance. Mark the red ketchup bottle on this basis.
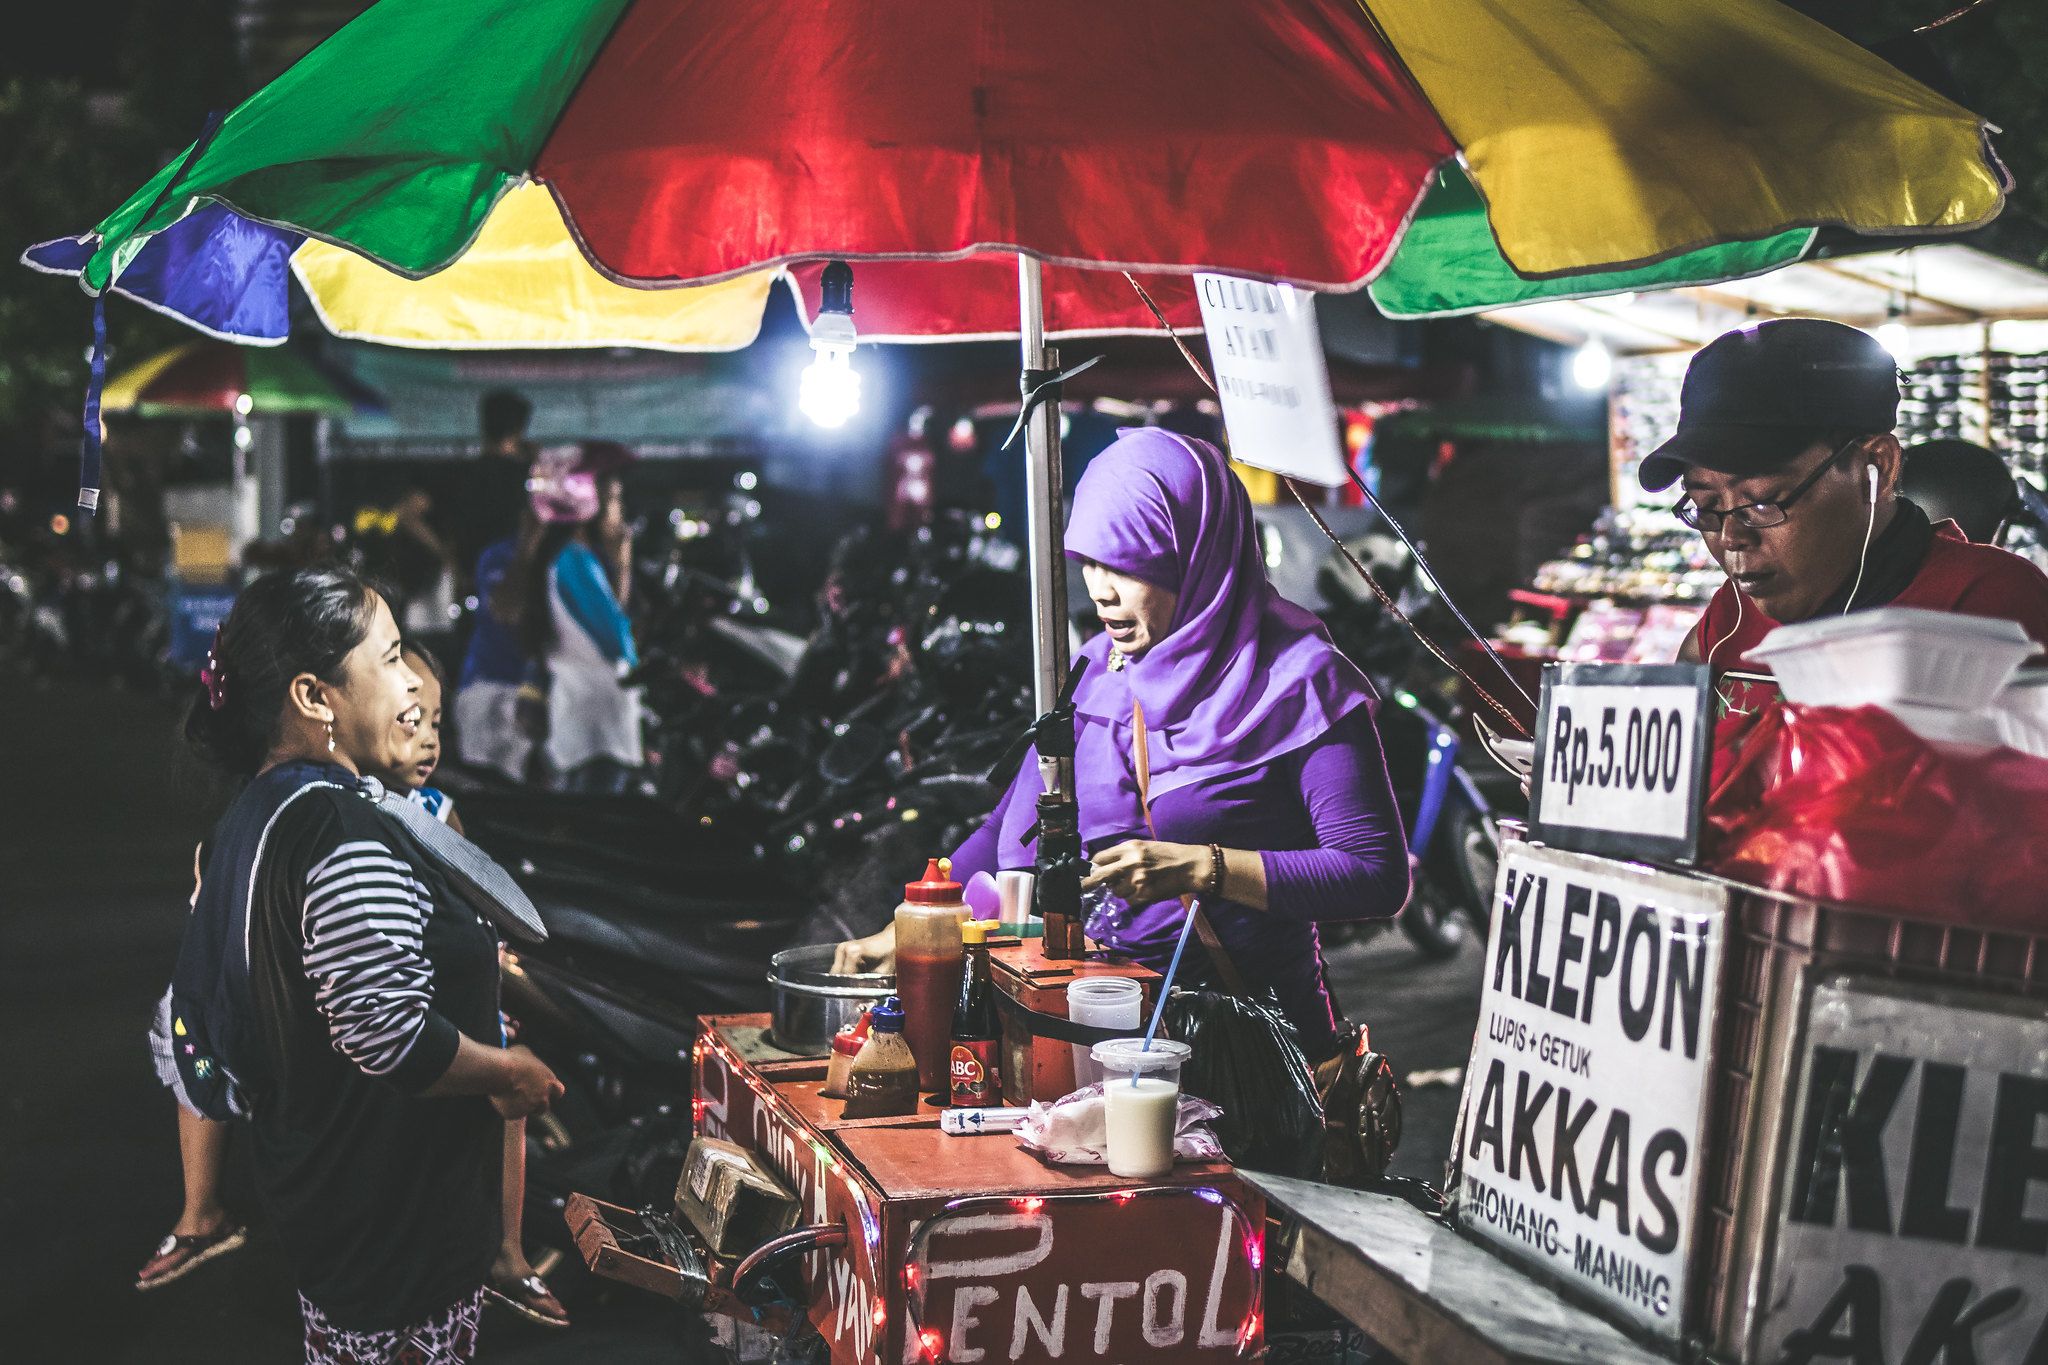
(928, 968)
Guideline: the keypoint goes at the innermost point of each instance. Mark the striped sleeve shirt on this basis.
(365, 916)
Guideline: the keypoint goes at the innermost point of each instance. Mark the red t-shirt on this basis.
(1957, 576)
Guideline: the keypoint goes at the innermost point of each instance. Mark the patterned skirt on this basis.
(447, 1338)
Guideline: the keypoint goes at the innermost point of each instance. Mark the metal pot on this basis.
(812, 1001)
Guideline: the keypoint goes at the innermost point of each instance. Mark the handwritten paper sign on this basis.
(1621, 759)
(1271, 377)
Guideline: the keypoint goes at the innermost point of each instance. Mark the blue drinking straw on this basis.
(1172, 969)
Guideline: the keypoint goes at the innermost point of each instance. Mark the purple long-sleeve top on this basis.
(1323, 820)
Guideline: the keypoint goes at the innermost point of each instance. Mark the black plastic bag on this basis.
(1248, 1060)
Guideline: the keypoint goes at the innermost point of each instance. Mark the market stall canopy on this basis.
(1488, 419)
(661, 405)
(1315, 141)
(1138, 374)
(214, 378)
(1942, 297)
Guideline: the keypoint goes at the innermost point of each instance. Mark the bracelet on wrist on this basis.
(1214, 886)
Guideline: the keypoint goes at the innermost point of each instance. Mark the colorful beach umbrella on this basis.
(214, 378)
(690, 142)
(1454, 154)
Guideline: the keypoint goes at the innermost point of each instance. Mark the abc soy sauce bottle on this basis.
(976, 1065)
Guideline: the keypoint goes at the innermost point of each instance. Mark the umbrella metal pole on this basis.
(1046, 525)
(1056, 891)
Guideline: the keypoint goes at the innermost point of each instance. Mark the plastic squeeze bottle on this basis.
(883, 1080)
(928, 968)
(846, 1045)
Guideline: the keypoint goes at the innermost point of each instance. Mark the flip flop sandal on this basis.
(177, 1257)
(531, 1299)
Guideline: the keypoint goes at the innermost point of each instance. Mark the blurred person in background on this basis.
(1962, 482)
(497, 693)
(495, 496)
(571, 617)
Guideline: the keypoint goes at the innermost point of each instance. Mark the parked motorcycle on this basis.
(792, 805)
(1449, 807)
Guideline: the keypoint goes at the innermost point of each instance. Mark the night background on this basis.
(97, 95)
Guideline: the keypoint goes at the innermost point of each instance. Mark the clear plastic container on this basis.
(1102, 1002)
(1014, 914)
(1141, 1104)
(929, 962)
(1896, 654)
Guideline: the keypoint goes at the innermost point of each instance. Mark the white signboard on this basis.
(1271, 378)
(1915, 1217)
(1621, 759)
(1579, 1144)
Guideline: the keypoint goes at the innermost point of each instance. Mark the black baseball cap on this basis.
(1755, 397)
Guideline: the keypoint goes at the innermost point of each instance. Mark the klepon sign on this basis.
(1914, 1226)
(1585, 1097)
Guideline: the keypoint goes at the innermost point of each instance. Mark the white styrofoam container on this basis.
(2023, 712)
(1974, 730)
(1896, 654)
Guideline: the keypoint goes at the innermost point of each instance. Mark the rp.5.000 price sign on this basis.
(1621, 759)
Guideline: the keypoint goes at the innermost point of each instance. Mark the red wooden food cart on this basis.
(906, 1245)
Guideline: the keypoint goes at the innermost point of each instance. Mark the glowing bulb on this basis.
(993, 521)
(830, 394)
(244, 438)
(1893, 337)
(244, 404)
(1592, 365)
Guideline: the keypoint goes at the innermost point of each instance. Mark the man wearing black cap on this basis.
(1791, 472)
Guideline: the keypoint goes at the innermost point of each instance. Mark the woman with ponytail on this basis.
(342, 998)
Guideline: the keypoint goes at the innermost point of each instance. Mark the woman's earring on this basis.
(330, 736)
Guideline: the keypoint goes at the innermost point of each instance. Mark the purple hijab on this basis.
(1243, 676)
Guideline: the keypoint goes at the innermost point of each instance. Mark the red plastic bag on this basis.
(1847, 804)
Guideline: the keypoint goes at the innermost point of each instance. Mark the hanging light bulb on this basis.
(830, 391)
(1592, 365)
(1891, 333)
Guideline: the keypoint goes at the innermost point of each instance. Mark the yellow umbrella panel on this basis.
(524, 284)
(1606, 133)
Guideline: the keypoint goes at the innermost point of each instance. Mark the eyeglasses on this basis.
(1757, 516)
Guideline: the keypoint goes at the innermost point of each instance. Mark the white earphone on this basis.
(1869, 528)
(1871, 480)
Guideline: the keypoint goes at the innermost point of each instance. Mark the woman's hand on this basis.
(1145, 871)
(875, 953)
(525, 1085)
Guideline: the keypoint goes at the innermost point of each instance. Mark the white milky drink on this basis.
(1141, 1114)
(1141, 1103)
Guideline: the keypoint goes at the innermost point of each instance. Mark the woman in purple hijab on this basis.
(1263, 754)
